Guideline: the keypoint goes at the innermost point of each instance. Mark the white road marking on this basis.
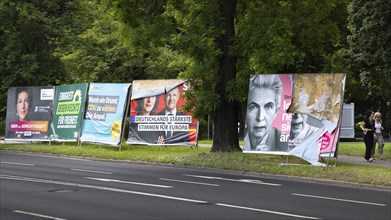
(234, 180)
(20, 164)
(27, 179)
(336, 199)
(91, 171)
(266, 211)
(191, 182)
(37, 215)
(134, 183)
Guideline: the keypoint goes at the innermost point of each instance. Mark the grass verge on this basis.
(201, 157)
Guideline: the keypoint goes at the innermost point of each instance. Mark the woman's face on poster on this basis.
(148, 104)
(23, 105)
(261, 112)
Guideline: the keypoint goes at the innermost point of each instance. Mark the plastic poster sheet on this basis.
(328, 143)
(156, 116)
(321, 96)
(29, 113)
(68, 111)
(104, 113)
(275, 127)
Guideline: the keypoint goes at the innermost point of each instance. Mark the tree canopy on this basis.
(369, 52)
(216, 44)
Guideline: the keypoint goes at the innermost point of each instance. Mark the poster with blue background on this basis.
(104, 113)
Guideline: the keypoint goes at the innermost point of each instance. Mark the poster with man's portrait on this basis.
(29, 113)
(320, 95)
(156, 114)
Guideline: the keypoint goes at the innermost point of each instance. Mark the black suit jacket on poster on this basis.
(178, 137)
(142, 137)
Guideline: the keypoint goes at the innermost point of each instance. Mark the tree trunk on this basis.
(225, 135)
(306, 63)
(242, 119)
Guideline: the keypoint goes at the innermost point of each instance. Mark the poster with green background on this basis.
(68, 111)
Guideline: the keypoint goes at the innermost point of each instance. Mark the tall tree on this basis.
(225, 133)
(370, 51)
(203, 32)
(369, 54)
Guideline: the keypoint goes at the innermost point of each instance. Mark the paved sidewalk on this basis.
(348, 159)
(361, 161)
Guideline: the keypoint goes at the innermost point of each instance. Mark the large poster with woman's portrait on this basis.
(29, 113)
(68, 111)
(267, 121)
(294, 114)
(156, 114)
(104, 114)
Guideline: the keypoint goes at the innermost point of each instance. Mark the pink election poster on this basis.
(267, 121)
(328, 144)
(274, 127)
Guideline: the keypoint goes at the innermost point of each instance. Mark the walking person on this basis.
(368, 128)
(378, 136)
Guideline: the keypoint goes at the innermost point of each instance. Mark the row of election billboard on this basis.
(96, 112)
(287, 114)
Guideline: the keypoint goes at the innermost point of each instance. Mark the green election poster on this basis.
(68, 111)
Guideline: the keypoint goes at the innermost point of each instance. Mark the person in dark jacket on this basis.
(171, 136)
(368, 128)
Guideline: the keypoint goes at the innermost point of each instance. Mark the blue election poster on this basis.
(104, 113)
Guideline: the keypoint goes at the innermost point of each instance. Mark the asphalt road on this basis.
(48, 187)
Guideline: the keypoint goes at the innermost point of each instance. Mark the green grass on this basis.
(358, 149)
(210, 142)
(202, 157)
(345, 148)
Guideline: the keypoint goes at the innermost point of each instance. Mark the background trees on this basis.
(30, 33)
(218, 44)
(369, 55)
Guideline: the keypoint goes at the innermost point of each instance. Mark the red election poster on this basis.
(156, 114)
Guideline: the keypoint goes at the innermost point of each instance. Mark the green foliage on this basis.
(49, 42)
(176, 39)
(198, 23)
(30, 34)
(369, 57)
(288, 37)
(369, 54)
(97, 53)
